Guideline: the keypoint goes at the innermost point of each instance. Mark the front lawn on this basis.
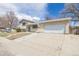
(13, 36)
(3, 34)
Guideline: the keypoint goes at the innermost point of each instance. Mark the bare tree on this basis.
(71, 9)
(47, 18)
(11, 17)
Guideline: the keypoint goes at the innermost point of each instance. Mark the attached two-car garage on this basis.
(55, 28)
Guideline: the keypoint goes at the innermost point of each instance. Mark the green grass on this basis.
(3, 34)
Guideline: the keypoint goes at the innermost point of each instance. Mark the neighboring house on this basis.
(54, 26)
(23, 25)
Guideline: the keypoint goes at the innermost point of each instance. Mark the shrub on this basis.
(18, 30)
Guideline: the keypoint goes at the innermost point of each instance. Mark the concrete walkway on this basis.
(44, 44)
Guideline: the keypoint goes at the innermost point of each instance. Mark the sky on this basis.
(31, 11)
(54, 9)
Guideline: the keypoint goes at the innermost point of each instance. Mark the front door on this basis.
(29, 29)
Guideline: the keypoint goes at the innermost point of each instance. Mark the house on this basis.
(54, 26)
(23, 25)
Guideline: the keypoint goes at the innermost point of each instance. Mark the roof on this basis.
(53, 20)
(25, 20)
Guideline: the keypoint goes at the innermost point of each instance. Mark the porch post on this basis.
(67, 28)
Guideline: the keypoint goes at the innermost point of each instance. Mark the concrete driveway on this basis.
(44, 44)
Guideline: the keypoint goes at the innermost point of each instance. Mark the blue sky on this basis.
(54, 9)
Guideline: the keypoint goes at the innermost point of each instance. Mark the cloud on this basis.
(25, 10)
(35, 10)
(24, 16)
(36, 18)
(7, 7)
(27, 17)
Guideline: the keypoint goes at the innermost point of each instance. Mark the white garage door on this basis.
(55, 28)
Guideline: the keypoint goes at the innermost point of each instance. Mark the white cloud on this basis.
(36, 18)
(7, 7)
(35, 10)
(25, 10)
(23, 16)
(27, 17)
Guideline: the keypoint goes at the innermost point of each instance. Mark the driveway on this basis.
(44, 44)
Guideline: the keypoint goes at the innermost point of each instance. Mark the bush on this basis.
(18, 30)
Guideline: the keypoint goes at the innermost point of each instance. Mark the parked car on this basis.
(7, 30)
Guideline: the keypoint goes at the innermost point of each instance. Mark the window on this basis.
(34, 26)
(24, 24)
